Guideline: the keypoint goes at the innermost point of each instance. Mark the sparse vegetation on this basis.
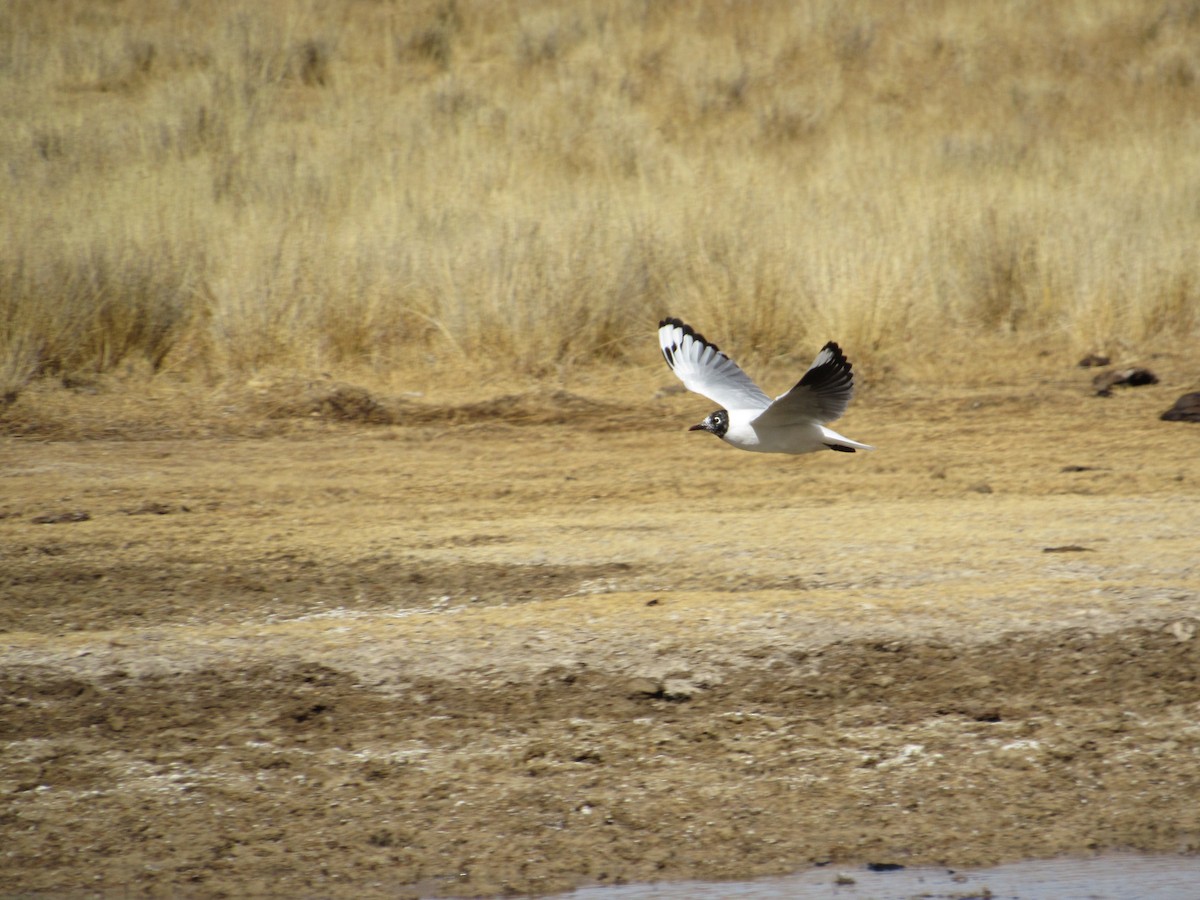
(224, 186)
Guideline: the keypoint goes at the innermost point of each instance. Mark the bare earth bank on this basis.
(490, 651)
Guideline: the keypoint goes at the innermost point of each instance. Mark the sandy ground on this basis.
(268, 646)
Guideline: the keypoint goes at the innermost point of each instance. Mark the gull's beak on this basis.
(699, 427)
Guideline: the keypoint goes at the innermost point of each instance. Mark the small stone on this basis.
(679, 689)
(1183, 630)
(646, 687)
(60, 518)
(150, 508)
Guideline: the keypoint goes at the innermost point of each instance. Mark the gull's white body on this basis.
(794, 422)
(801, 437)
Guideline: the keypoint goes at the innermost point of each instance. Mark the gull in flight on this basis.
(793, 422)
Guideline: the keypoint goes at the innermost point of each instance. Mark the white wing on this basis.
(822, 395)
(706, 370)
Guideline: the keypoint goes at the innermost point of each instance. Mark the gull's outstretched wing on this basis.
(822, 395)
(706, 370)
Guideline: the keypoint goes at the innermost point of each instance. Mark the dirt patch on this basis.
(301, 777)
(337, 401)
(183, 590)
(108, 407)
(482, 656)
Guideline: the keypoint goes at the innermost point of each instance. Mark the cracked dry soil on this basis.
(483, 656)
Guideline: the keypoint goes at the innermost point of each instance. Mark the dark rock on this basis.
(1134, 377)
(1138, 377)
(1092, 360)
(1186, 409)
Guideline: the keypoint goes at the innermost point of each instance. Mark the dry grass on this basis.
(220, 187)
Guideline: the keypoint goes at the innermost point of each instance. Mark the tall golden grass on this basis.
(218, 187)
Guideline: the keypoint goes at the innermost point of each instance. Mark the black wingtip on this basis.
(688, 330)
(836, 373)
(839, 358)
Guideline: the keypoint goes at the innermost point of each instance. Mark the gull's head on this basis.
(717, 423)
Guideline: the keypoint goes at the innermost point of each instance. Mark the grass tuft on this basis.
(455, 186)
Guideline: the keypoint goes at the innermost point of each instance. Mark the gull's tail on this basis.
(835, 441)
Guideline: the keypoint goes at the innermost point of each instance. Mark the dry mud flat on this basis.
(544, 643)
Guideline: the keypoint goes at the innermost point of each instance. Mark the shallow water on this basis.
(1110, 877)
